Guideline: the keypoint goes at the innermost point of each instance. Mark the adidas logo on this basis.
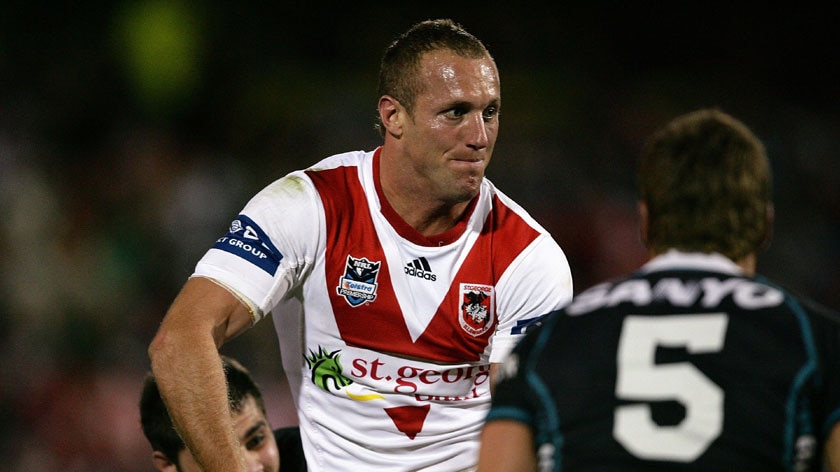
(420, 268)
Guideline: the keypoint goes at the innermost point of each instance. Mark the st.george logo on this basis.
(477, 308)
(358, 285)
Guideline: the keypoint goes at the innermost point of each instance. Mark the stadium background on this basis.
(131, 133)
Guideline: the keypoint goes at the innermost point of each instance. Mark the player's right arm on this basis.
(185, 361)
(232, 288)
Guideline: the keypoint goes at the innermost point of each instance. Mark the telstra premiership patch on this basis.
(358, 285)
(248, 241)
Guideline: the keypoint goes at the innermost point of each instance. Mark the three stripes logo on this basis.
(420, 268)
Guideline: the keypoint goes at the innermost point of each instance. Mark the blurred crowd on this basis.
(132, 132)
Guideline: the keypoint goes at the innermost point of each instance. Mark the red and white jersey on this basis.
(386, 335)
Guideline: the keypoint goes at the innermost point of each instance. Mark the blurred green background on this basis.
(132, 132)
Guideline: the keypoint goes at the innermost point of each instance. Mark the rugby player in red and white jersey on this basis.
(396, 278)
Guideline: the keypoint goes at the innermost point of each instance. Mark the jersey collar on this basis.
(407, 231)
(674, 259)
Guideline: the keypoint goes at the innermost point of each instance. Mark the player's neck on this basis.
(747, 264)
(415, 206)
(427, 217)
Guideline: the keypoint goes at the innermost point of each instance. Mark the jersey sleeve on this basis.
(269, 245)
(514, 396)
(538, 282)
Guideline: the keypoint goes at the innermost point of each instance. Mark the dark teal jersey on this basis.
(290, 448)
(678, 367)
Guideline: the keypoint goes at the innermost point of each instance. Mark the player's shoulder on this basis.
(345, 159)
(816, 310)
(496, 196)
(494, 201)
(797, 299)
(298, 184)
(822, 311)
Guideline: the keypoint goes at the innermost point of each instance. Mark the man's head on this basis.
(400, 70)
(439, 113)
(250, 422)
(705, 185)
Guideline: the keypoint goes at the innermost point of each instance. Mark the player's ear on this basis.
(391, 115)
(769, 217)
(162, 463)
(643, 222)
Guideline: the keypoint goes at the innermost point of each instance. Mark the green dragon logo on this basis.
(326, 369)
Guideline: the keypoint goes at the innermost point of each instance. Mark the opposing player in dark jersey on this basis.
(692, 363)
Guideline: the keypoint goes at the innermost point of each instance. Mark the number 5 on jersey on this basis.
(641, 379)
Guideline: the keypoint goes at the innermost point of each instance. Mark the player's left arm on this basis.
(827, 332)
(506, 446)
(507, 436)
(494, 375)
(832, 449)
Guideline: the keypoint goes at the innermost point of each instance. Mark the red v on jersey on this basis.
(359, 278)
(409, 419)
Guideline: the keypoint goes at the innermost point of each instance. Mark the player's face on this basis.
(256, 437)
(450, 136)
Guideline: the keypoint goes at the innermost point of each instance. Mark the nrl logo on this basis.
(477, 311)
(358, 285)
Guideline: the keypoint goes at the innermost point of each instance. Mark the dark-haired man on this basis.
(264, 450)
